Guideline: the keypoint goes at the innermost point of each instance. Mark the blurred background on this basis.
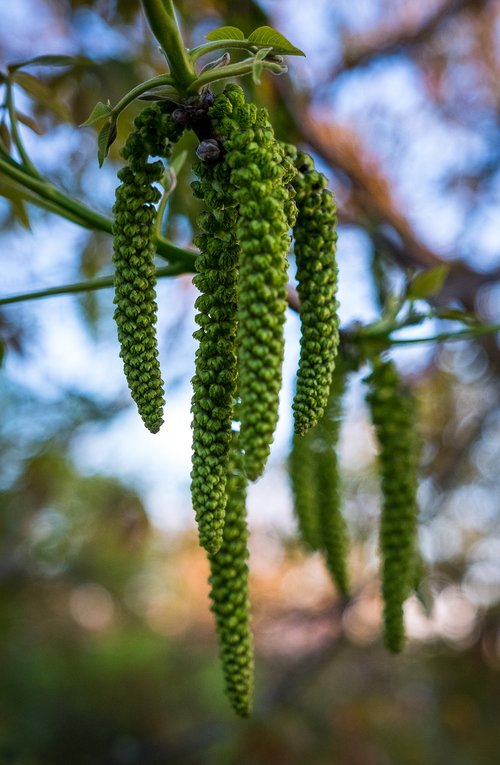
(107, 646)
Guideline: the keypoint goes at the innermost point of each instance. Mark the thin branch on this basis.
(102, 282)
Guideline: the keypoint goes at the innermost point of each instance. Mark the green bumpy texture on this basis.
(229, 592)
(332, 524)
(260, 182)
(315, 247)
(134, 249)
(315, 483)
(214, 382)
(302, 470)
(393, 414)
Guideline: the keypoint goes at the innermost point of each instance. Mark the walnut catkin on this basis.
(315, 247)
(393, 414)
(134, 249)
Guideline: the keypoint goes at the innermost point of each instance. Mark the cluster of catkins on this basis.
(317, 491)
(258, 195)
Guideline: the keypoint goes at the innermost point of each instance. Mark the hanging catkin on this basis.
(333, 530)
(393, 415)
(229, 592)
(260, 181)
(134, 249)
(215, 376)
(315, 246)
(315, 485)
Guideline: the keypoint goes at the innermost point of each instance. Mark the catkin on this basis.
(315, 247)
(215, 376)
(229, 592)
(134, 249)
(332, 525)
(260, 182)
(393, 414)
(315, 485)
(302, 467)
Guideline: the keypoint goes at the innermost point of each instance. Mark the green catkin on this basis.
(302, 471)
(214, 382)
(393, 415)
(229, 592)
(333, 530)
(260, 181)
(134, 249)
(315, 247)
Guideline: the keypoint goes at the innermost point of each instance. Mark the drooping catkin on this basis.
(332, 525)
(215, 376)
(302, 467)
(315, 247)
(229, 592)
(260, 180)
(393, 414)
(134, 249)
(315, 484)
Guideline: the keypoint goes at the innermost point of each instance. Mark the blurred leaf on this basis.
(277, 41)
(427, 283)
(99, 112)
(105, 139)
(21, 213)
(42, 94)
(29, 122)
(225, 33)
(51, 60)
(5, 136)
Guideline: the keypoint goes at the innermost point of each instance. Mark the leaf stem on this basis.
(154, 82)
(239, 69)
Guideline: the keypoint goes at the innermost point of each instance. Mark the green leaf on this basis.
(99, 112)
(51, 61)
(225, 33)
(257, 66)
(275, 40)
(427, 283)
(106, 136)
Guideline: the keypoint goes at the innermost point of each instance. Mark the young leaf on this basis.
(427, 283)
(106, 137)
(99, 112)
(257, 64)
(275, 40)
(225, 33)
(51, 60)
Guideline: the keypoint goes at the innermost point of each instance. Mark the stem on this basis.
(154, 82)
(201, 50)
(234, 70)
(444, 337)
(161, 18)
(102, 282)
